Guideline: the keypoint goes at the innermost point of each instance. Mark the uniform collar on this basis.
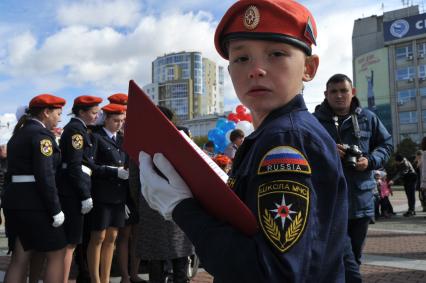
(296, 104)
(40, 122)
(109, 134)
(79, 119)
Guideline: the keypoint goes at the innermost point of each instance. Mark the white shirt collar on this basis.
(35, 119)
(110, 134)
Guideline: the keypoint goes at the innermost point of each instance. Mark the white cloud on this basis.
(98, 13)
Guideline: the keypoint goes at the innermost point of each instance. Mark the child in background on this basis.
(224, 162)
(385, 190)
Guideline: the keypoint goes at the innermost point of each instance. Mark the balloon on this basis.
(241, 116)
(233, 117)
(215, 134)
(221, 123)
(249, 117)
(230, 125)
(241, 109)
(228, 136)
(246, 127)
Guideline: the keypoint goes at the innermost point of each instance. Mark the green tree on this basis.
(201, 140)
(407, 148)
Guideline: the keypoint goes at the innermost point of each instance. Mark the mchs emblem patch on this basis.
(283, 210)
(284, 159)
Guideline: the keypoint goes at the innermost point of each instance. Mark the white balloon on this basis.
(228, 135)
(246, 127)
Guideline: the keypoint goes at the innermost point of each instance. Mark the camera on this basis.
(352, 154)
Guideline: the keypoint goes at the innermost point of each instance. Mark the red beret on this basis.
(113, 108)
(222, 160)
(47, 100)
(275, 20)
(87, 100)
(119, 98)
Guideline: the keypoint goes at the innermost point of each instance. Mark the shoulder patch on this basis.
(46, 147)
(77, 141)
(283, 210)
(284, 159)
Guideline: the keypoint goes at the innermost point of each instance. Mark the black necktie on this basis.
(113, 138)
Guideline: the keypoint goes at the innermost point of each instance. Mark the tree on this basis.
(407, 148)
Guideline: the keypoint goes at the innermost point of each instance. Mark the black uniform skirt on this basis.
(34, 230)
(73, 224)
(104, 215)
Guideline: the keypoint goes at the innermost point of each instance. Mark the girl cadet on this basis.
(287, 172)
(109, 189)
(126, 239)
(31, 204)
(74, 182)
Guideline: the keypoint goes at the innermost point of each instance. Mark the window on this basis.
(412, 136)
(422, 71)
(404, 52)
(406, 95)
(408, 117)
(424, 116)
(421, 49)
(405, 73)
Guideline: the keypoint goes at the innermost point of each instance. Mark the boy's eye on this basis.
(240, 59)
(277, 54)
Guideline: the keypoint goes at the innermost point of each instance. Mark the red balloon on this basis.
(241, 116)
(241, 109)
(232, 116)
(247, 117)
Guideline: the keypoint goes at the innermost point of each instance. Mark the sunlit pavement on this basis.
(395, 249)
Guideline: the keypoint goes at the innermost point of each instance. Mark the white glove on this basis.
(86, 205)
(122, 173)
(127, 211)
(161, 195)
(58, 219)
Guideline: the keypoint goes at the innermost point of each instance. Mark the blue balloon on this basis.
(230, 125)
(221, 123)
(213, 134)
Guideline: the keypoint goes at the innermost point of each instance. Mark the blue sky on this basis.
(77, 47)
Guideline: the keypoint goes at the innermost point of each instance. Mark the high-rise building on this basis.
(187, 83)
(389, 69)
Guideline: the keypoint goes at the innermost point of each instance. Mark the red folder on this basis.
(149, 130)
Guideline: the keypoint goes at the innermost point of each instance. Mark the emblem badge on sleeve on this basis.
(46, 147)
(283, 209)
(284, 159)
(77, 141)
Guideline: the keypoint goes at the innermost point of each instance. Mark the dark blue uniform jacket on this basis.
(106, 186)
(376, 144)
(77, 151)
(289, 174)
(33, 151)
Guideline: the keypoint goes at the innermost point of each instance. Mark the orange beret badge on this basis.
(46, 147)
(251, 17)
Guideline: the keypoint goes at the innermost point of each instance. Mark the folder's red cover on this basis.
(147, 129)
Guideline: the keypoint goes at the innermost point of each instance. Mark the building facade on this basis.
(187, 83)
(389, 70)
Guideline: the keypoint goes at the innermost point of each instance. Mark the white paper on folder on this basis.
(206, 158)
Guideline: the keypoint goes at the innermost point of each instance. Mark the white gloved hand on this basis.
(127, 211)
(122, 173)
(161, 195)
(58, 219)
(86, 205)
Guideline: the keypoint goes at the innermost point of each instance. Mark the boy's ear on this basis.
(311, 67)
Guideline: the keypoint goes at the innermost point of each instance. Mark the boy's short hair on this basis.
(235, 134)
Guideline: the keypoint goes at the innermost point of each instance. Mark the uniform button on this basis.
(119, 161)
